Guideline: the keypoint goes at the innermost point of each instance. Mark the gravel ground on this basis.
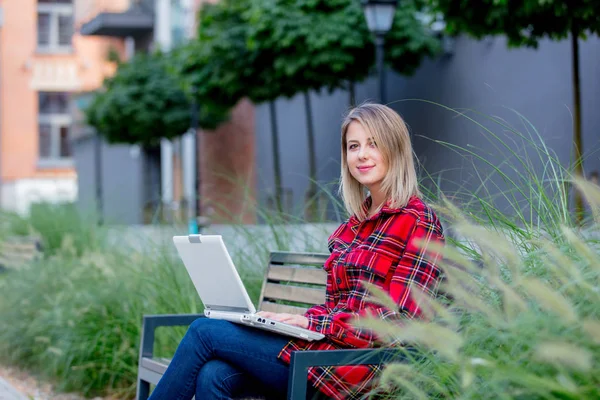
(30, 388)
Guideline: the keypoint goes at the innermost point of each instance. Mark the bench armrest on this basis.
(302, 360)
(151, 322)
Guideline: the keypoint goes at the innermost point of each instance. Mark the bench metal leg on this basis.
(143, 390)
(302, 360)
(298, 379)
(149, 325)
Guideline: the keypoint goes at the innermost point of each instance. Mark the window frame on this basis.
(55, 121)
(55, 10)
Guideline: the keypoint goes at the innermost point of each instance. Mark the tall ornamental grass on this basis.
(75, 316)
(518, 316)
(76, 319)
(514, 183)
(516, 325)
(51, 223)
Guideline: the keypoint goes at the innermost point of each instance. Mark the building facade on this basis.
(212, 168)
(43, 63)
(230, 168)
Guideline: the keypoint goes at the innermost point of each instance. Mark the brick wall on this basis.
(226, 159)
(226, 162)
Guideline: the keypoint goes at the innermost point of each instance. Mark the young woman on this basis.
(378, 244)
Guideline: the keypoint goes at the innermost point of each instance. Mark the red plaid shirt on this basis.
(380, 250)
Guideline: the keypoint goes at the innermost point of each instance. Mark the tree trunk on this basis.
(98, 178)
(577, 137)
(194, 124)
(380, 41)
(311, 194)
(276, 162)
(352, 93)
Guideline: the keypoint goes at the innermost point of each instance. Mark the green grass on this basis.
(526, 326)
(75, 317)
(531, 180)
(52, 223)
(526, 323)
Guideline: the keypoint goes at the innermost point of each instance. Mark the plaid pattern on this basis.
(380, 251)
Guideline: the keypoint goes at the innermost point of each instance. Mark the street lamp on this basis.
(380, 16)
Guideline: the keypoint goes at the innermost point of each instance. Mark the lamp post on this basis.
(192, 178)
(380, 16)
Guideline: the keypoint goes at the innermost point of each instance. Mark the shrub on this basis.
(77, 319)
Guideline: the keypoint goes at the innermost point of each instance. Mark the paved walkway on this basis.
(8, 392)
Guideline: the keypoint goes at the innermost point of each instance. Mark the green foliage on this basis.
(55, 223)
(52, 224)
(410, 40)
(523, 22)
(523, 324)
(531, 181)
(141, 104)
(79, 323)
(76, 319)
(265, 49)
(311, 44)
(12, 224)
(75, 316)
(257, 49)
(218, 65)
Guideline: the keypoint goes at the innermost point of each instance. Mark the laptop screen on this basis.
(212, 271)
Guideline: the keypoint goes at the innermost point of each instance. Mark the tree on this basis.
(318, 44)
(525, 23)
(142, 103)
(410, 40)
(223, 69)
(266, 49)
(311, 45)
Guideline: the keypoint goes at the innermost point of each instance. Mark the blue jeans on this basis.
(222, 360)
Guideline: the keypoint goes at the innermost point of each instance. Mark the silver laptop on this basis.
(220, 288)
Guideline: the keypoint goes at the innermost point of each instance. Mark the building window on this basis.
(54, 25)
(54, 125)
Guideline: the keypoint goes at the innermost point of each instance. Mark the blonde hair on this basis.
(393, 141)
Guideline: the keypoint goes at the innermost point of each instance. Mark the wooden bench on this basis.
(293, 282)
(18, 251)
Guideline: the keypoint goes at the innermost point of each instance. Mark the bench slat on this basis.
(19, 251)
(297, 274)
(281, 308)
(14, 262)
(10, 254)
(294, 293)
(158, 364)
(283, 267)
(18, 247)
(283, 257)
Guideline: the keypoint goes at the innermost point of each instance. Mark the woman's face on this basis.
(365, 161)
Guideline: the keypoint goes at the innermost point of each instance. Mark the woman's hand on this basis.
(291, 319)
